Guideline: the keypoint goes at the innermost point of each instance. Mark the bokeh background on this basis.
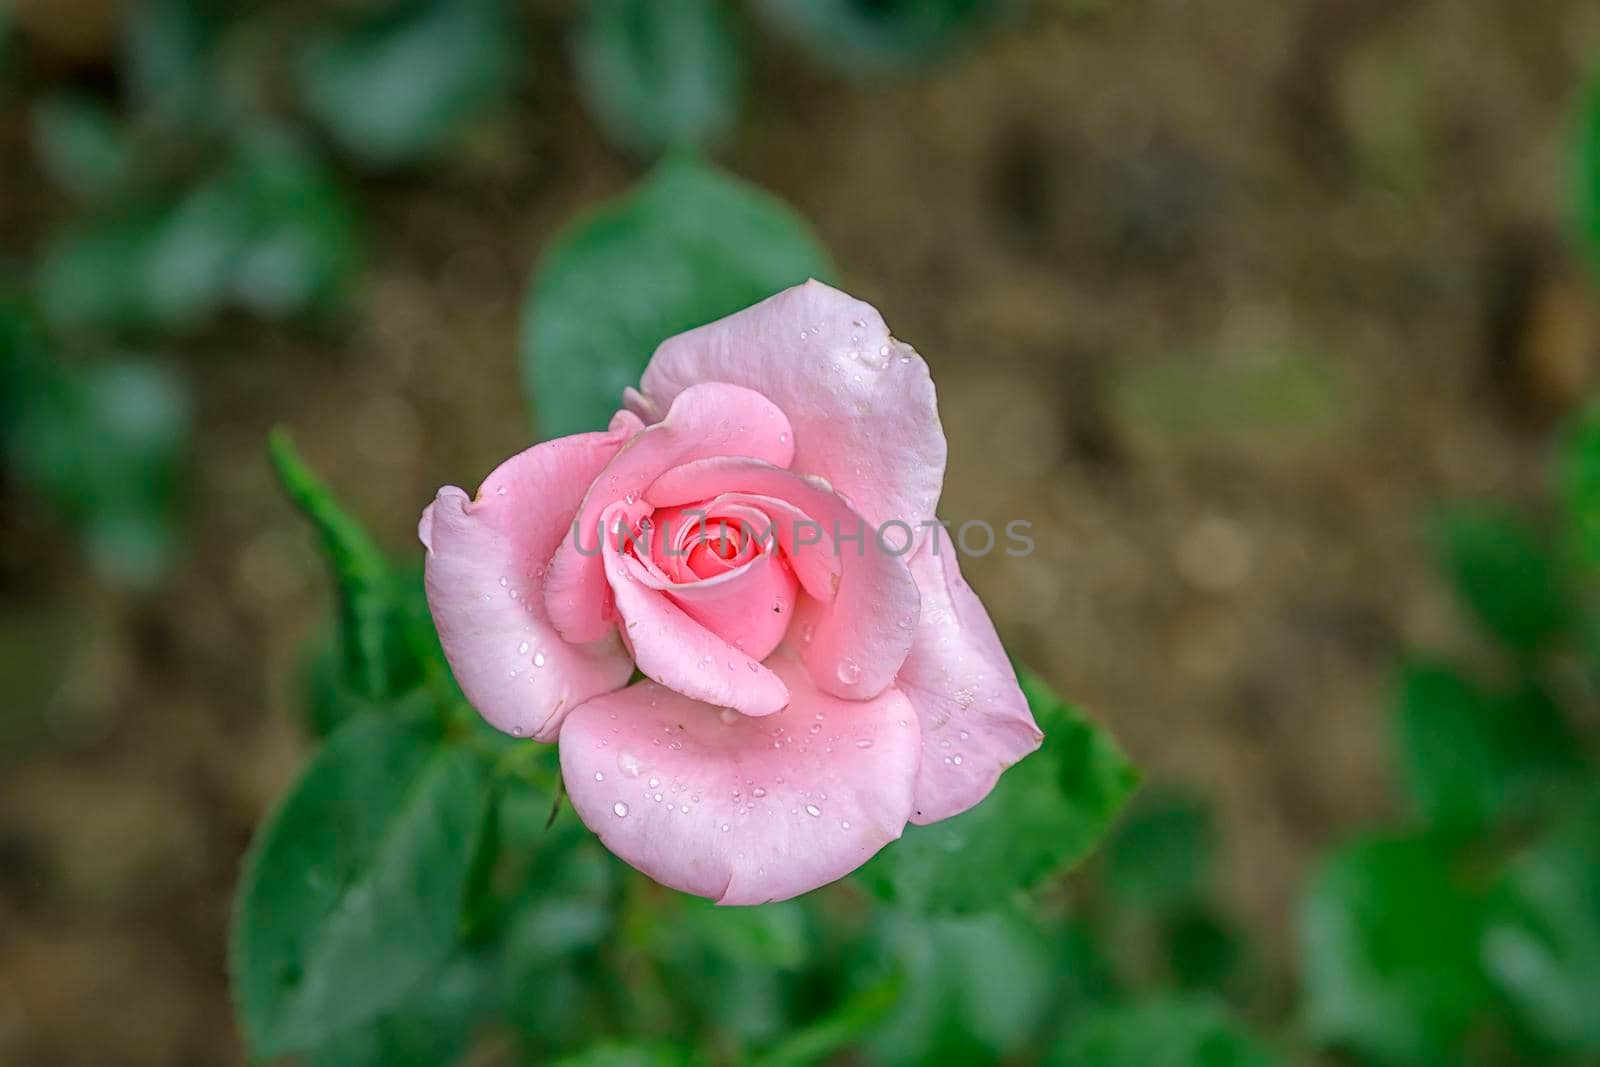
(1225, 297)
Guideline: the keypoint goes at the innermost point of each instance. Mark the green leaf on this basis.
(1204, 951)
(352, 891)
(1168, 1032)
(106, 445)
(815, 1041)
(400, 85)
(976, 987)
(1502, 574)
(1578, 475)
(1588, 169)
(866, 39)
(688, 246)
(1044, 815)
(167, 59)
(656, 75)
(1389, 933)
(80, 144)
(628, 1054)
(1469, 759)
(1542, 945)
(1160, 857)
(383, 628)
(269, 232)
(432, 1026)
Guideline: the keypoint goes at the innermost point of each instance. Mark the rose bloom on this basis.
(810, 686)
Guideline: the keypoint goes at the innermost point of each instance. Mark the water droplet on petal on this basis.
(654, 782)
(538, 659)
(628, 763)
(758, 792)
(620, 810)
(849, 671)
(813, 811)
(865, 742)
(522, 649)
(516, 731)
(599, 776)
(504, 581)
(728, 715)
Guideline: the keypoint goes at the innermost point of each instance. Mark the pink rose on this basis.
(807, 697)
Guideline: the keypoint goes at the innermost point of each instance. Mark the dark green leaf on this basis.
(1588, 193)
(80, 144)
(167, 58)
(382, 628)
(840, 1028)
(688, 246)
(352, 891)
(1502, 573)
(1578, 469)
(1045, 814)
(1203, 950)
(1389, 935)
(975, 987)
(1161, 856)
(106, 444)
(628, 1054)
(1468, 759)
(401, 84)
(656, 75)
(1168, 1032)
(867, 38)
(431, 1027)
(1542, 946)
(268, 232)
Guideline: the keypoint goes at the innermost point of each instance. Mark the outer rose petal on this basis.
(714, 419)
(855, 645)
(742, 810)
(483, 571)
(975, 720)
(861, 403)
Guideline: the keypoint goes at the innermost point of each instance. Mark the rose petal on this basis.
(712, 419)
(677, 651)
(975, 720)
(749, 810)
(861, 403)
(484, 575)
(854, 646)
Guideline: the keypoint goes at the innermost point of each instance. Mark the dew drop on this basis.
(963, 735)
(538, 659)
(725, 827)
(620, 810)
(654, 782)
(705, 661)
(813, 811)
(865, 742)
(504, 581)
(728, 716)
(758, 792)
(522, 649)
(500, 491)
(849, 671)
(628, 763)
(844, 824)
(516, 731)
(599, 776)
(956, 760)
(656, 798)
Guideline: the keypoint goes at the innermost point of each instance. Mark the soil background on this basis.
(1221, 296)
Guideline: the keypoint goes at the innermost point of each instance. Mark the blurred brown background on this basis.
(1220, 296)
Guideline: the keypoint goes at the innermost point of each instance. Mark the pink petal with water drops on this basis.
(742, 810)
(484, 571)
(861, 403)
(975, 720)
